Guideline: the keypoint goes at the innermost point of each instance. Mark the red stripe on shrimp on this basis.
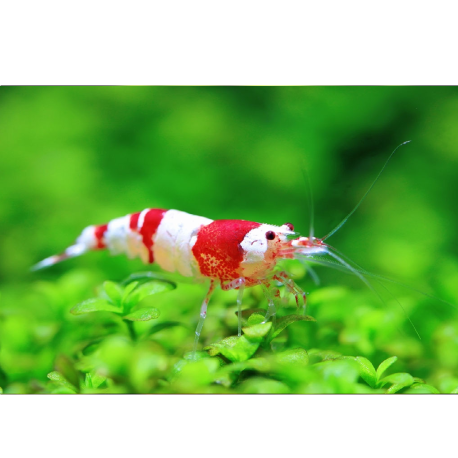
(99, 233)
(149, 227)
(133, 224)
(217, 248)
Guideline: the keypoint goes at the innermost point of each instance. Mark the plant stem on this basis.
(130, 327)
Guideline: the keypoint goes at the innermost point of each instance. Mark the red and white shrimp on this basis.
(234, 253)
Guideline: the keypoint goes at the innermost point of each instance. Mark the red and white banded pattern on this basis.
(154, 235)
(235, 253)
(193, 246)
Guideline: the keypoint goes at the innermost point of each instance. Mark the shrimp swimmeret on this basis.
(235, 254)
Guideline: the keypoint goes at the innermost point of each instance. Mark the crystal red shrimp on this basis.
(234, 253)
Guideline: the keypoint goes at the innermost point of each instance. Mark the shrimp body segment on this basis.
(234, 253)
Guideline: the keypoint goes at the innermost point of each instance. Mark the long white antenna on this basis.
(310, 197)
(377, 277)
(367, 192)
(364, 279)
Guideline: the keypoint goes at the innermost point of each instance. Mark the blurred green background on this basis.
(74, 156)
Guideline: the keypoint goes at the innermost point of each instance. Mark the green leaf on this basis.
(455, 391)
(141, 277)
(384, 365)
(333, 376)
(98, 380)
(234, 348)
(189, 375)
(60, 389)
(65, 366)
(147, 289)
(94, 305)
(285, 321)
(144, 277)
(257, 331)
(262, 385)
(3, 376)
(160, 326)
(128, 289)
(400, 377)
(367, 371)
(422, 388)
(255, 318)
(93, 380)
(192, 356)
(91, 346)
(325, 355)
(293, 356)
(61, 380)
(113, 291)
(143, 314)
(246, 313)
(395, 388)
(88, 381)
(256, 364)
(398, 381)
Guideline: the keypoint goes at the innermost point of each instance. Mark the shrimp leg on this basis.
(240, 284)
(271, 309)
(203, 314)
(289, 284)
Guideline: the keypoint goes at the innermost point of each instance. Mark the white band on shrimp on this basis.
(172, 248)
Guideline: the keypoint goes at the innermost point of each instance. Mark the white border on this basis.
(231, 425)
(221, 43)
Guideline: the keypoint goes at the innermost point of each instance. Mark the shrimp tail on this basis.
(90, 239)
(70, 252)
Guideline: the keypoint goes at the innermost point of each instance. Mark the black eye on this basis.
(270, 235)
(290, 226)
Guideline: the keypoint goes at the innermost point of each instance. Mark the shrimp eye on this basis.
(290, 226)
(270, 235)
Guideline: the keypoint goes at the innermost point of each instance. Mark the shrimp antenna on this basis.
(367, 192)
(362, 277)
(310, 196)
(363, 272)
